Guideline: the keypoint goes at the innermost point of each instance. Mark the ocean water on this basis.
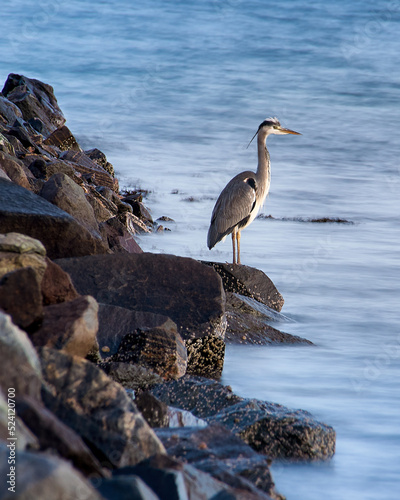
(172, 92)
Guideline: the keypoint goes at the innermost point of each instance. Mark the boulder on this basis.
(21, 297)
(100, 158)
(267, 427)
(52, 434)
(63, 139)
(44, 170)
(115, 322)
(82, 396)
(20, 365)
(118, 236)
(124, 488)
(43, 476)
(161, 349)
(21, 244)
(248, 323)
(63, 192)
(9, 111)
(131, 376)
(56, 285)
(218, 452)
(189, 292)
(250, 282)
(24, 212)
(69, 326)
(14, 170)
(36, 100)
(173, 480)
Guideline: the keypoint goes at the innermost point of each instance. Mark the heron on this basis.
(241, 199)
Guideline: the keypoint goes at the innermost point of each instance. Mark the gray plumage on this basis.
(241, 199)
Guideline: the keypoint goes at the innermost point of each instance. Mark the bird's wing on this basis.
(234, 205)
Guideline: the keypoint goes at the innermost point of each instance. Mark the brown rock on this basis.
(21, 297)
(98, 409)
(56, 285)
(9, 111)
(53, 434)
(14, 170)
(36, 100)
(118, 236)
(63, 139)
(131, 376)
(69, 326)
(67, 195)
(24, 212)
(20, 366)
(154, 411)
(100, 158)
(160, 349)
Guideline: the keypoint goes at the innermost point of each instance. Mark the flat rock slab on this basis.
(250, 282)
(219, 452)
(267, 427)
(24, 212)
(82, 396)
(187, 291)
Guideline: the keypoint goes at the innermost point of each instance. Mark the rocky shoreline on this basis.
(111, 356)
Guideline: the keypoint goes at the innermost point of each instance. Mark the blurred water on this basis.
(172, 92)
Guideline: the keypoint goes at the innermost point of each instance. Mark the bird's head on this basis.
(272, 126)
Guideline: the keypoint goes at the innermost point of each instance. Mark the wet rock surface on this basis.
(141, 318)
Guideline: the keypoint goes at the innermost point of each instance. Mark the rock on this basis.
(250, 282)
(116, 322)
(13, 261)
(24, 212)
(189, 292)
(21, 297)
(63, 139)
(118, 236)
(35, 100)
(52, 434)
(100, 158)
(267, 427)
(6, 146)
(9, 111)
(39, 475)
(20, 243)
(131, 376)
(173, 480)
(14, 170)
(67, 195)
(103, 208)
(247, 324)
(98, 409)
(42, 170)
(154, 411)
(56, 285)
(218, 452)
(69, 326)
(160, 349)
(97, 175)
(20, 366)
(124, 488)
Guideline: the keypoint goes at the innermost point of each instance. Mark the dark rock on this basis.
(20, 133)
(131, 376)
(20, 366)
(67, 195)
(54, 435)
(56, 285)
(97, 408)
(15, 171)
(267, 427)
(24, 212)
(139, 209)
(35, 100)
(44, 170)
(173, 480)
(100, 158)
(40, 476)
(124, 488)
(86, 166)
(21, 297)
(247, 324)
(154, 411)
(116, 322)
(69, 326)
(6, 145)
(218, 452)
(9, 111)
(118, 237)
(63, 139)
(102, 207)
(250, 282)
(161, 349)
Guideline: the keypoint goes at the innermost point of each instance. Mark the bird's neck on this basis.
(264, 164)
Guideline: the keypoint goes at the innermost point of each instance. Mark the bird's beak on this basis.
(287, 131)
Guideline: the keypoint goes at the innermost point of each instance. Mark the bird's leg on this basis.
(238, 246)
(233, 245)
